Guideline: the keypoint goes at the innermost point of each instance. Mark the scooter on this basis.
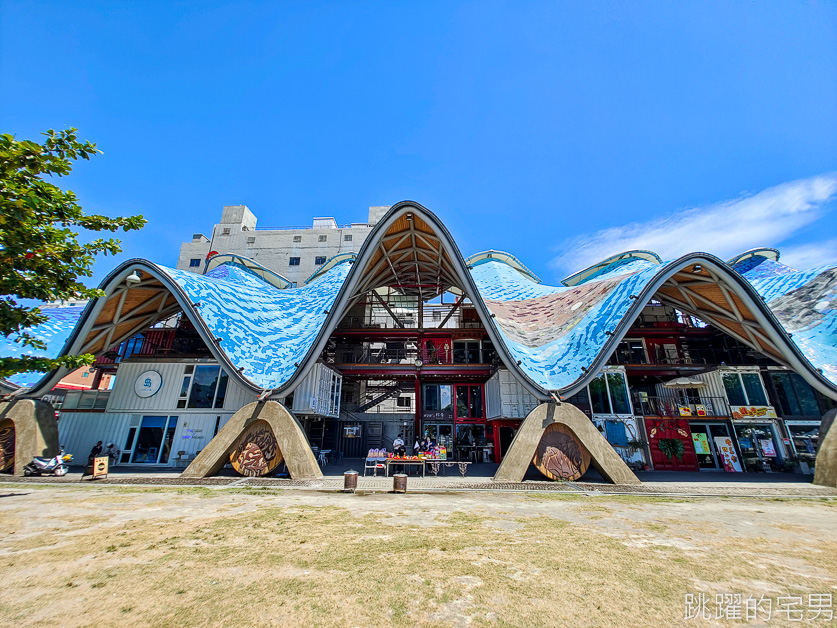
(44, 466)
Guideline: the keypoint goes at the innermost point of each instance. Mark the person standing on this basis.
(398, 446)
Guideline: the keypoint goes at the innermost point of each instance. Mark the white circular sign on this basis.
(148, 384)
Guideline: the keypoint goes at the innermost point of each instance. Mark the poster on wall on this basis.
(701, 409)
(767, 447)
(685, 411)
(701, 442)
(728, 454)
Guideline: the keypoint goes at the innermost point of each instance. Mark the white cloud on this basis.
(810, 255)
(723, 229)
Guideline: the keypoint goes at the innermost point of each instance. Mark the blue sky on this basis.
(560, 132)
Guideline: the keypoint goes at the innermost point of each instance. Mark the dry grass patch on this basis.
(298, 559)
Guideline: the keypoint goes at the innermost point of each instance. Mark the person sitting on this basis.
(112, 452)
(96, 451)
(398, 446)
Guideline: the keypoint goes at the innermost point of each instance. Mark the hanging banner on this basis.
(728, 454)
(753, 412)
(701, 442)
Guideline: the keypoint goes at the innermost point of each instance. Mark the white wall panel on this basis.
(123, 398)
(506, 397)
(78, 432)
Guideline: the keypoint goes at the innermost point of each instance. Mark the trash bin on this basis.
(399, 483)
(349, 481)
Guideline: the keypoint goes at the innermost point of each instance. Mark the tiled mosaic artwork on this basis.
(553, 332)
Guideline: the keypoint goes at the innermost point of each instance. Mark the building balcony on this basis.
(684, 358)
(677, 407)
(410, 357)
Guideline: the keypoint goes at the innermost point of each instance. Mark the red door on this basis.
(673, 429)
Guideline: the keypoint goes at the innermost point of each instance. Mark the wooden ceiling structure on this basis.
(698, 291)
(132, 307)
(411, 259)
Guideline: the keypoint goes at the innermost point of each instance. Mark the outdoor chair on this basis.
(323, 457)
(371, 463)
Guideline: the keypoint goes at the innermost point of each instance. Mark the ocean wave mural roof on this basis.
(554, 338)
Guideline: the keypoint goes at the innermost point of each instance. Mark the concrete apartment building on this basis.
(293, 252)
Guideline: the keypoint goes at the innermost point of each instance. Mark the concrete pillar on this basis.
(302, 465)
(602, 455)
(825, 469)
(36, 430)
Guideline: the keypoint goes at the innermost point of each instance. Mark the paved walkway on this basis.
(479, 479)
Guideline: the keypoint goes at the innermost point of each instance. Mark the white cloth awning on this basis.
(685, 382)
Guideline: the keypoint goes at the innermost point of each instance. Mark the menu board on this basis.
(728, 454)
(701, 442)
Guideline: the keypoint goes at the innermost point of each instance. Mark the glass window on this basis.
(598, 396)
(222, 389)
(130, 440)
(735, 391)
(785, 393)
(462, 402)
(194, 263)
(437, 397)
(322, 238)
(320, 260)
(618, 393)
(184, 390)
(467, 435)
(476, 402)
(150, 437)
(431, 398)
(446, 397)
(755, 391)
(489, 354)
(581, 401)
(297, 238)
(473, 349)
(466, 352)
(294, 261)
(168, 439)
(203, 387)
(805, 395)
(347, 237)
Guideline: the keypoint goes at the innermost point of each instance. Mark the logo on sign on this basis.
(148, 384)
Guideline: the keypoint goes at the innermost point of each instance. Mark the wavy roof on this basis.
(553, 338)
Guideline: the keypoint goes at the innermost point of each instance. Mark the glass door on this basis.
(469, 405)
(703, 436)
(440, 433)
(154, 440)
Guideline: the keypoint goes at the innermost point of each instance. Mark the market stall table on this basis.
(437, 464)
(405, 461)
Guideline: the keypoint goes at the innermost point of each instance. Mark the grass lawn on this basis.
(79, 556)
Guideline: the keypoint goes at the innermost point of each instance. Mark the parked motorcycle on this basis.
(49, 466)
